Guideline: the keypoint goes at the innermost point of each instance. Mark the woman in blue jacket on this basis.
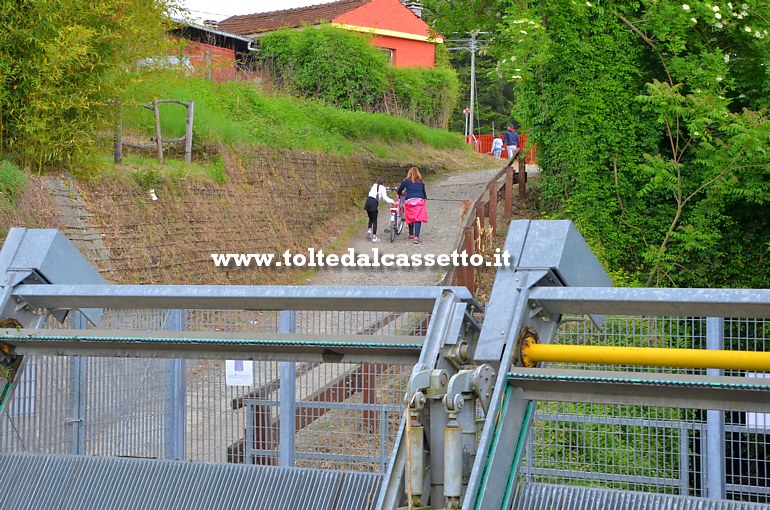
(415, 213)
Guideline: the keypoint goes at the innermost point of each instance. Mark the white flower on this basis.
(727, 58)
(589, 4)
(738, 16)
(719, 25)
(695, 133)
(516, 77)
(747, 29)
(744, 14)
(741, 96)
(758, 35)
(715, 8)
(729, 5)
(719, 78)
(718, 16)
(693, 20)
(685, 7)
(523, 32)
(745, 7)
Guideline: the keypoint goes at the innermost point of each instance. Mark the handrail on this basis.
(482, 208)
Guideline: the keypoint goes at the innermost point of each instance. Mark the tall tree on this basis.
(652, 127)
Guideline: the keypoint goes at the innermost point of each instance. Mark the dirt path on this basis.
(439, 235)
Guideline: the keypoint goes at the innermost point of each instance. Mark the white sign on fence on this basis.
(239, 373)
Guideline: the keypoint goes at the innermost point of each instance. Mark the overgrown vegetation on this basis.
(12, 183)
(68, 67)
(238, 113)
(341, 68)
(652, 126)
(63, 62)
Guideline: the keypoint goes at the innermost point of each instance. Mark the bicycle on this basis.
(396, 218)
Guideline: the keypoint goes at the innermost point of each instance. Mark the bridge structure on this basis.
(477, 402)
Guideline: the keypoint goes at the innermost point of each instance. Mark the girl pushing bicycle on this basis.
(376, 193)
(415, 211)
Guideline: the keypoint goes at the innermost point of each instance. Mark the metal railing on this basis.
(654, 449)
(185, 409)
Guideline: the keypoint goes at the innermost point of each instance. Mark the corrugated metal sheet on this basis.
(82, 483)
(541, 496)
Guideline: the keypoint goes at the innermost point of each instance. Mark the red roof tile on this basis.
(250, 24)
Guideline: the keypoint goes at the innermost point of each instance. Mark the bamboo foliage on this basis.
(62, 65)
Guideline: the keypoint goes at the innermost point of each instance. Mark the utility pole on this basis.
(473, 47)
(471, 44)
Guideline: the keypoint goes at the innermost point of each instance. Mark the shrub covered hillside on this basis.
(341, 68)
(70, 69)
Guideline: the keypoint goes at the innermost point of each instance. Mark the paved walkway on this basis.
(439, 235)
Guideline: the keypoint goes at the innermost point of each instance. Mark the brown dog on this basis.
(465, 208)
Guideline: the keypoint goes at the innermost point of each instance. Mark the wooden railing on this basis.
(481, 222)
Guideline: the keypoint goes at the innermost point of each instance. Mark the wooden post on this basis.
(469, 246)
(189, 131)
(118, 151)
(158, 135)
(522, 179)
(508, 211)
(481, 210)
(493, 206)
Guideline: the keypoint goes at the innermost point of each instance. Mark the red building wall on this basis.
(391, 18)
(211, 61)
(407, 53)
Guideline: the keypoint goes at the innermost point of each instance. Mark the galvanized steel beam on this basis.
(646, 389)
(644, 302)
(237, 297)
(196, 345)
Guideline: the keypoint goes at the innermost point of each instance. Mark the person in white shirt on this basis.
(497, 146)
(376, 193)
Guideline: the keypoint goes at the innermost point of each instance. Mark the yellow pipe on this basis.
(646, 356)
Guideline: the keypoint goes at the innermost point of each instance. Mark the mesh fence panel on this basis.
(346, 415)
(647, 448)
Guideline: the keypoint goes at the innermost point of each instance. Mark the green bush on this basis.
(12, 183)
(62, 64)
(336, 66)
(341, 68)
(425, 95)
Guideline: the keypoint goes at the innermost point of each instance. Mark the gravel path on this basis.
(439, 235)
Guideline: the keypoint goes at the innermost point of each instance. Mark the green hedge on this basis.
(341, 68)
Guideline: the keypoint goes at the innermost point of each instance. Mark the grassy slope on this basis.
(238, 113)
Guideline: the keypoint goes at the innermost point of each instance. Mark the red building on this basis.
(213, 54)
(395, 28)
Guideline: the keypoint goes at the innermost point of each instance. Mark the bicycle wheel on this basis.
(393, 227)
(400, 224)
